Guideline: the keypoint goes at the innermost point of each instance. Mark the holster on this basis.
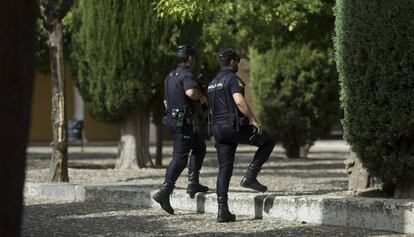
(178, 116)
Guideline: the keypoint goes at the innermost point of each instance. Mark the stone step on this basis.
(370, 213)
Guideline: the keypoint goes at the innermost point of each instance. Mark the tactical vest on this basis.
(219, 92)
(182, 114)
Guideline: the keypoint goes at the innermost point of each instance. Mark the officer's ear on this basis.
(191, 58)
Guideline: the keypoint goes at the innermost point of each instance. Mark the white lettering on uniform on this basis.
(214, 86)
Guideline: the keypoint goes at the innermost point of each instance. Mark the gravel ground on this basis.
(323, 172)
(45, 218)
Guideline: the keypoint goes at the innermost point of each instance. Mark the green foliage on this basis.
(374, 54)
(244, 23)
(149, 49)
(293, 72)
(296, 93)
(182, 10)
(289, 12)
(121, 53)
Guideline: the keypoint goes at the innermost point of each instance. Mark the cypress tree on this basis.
(374, 54)
(109, 55)
(113, 51)
(122, 52)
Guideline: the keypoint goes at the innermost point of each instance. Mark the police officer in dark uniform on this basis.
(179, 93)
(232, 122)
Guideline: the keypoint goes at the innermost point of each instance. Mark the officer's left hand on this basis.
(203, 100)
(258, 126)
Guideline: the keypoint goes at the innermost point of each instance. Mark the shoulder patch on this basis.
(241, 83)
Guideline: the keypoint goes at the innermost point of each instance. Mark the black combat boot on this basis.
(223, 214)
(194, 185)
(163, 197)
(249, 180)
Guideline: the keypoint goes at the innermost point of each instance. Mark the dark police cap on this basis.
(185, 50)
(226, 55)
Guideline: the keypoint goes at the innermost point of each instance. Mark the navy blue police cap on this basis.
(185, 50)
(226, 55)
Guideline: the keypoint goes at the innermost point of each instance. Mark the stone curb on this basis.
(370, 213)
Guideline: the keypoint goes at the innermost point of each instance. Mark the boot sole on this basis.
(193, 193)
(257, 190)
(225, 221)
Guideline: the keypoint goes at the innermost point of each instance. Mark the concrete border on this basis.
(370, 213)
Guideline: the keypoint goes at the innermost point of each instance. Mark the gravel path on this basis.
(46, 218)
(324, 171)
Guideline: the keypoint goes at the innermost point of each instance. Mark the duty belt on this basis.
(181, 115)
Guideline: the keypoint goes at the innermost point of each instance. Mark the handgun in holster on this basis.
(179, 116)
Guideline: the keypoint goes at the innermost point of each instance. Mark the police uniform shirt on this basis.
(177, 82)
(221, 90)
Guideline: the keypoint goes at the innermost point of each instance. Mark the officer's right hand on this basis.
(257, 125)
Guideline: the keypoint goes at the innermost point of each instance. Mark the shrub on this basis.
(296, 93)
(374, 53)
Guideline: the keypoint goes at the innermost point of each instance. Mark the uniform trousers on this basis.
(184, 141)
(227, 138)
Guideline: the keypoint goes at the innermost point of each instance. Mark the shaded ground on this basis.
(323, 172)
(45, 218)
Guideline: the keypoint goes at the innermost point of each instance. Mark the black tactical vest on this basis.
(174, 92)
(223, 110)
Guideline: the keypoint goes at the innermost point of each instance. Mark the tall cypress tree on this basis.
(112, 50)
(121, 54)
(374, 54)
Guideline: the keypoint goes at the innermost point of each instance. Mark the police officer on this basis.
(232, 122)
(179, 92)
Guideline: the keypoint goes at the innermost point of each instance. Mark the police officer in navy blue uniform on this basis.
(179, 93)
(232, 122)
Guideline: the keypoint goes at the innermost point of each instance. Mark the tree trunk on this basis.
(59, 163)
(304, 151)
(134, 144)
(358, 177)
(143, 122)
(158, 152)
(292, 151)
(405, 189)
(17, 27)
(128, 150)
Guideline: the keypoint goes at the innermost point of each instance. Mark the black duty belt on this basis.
(181, 116)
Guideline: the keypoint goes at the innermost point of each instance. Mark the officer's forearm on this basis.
(245, 109)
